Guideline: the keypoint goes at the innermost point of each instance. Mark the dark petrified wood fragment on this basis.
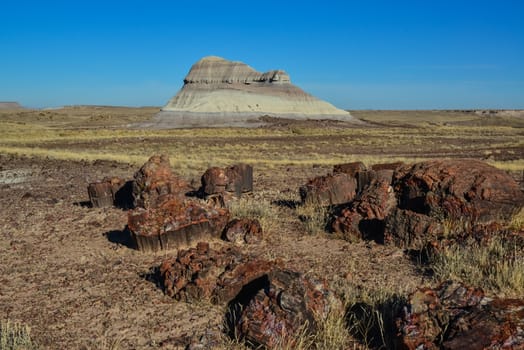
(109, 192)
(329, 190)
(453, 316)
(175, 224)
(240, 231)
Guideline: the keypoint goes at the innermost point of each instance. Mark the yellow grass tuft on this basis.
(15, 336)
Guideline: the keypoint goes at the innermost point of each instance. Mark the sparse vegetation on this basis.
(314, 217)
(256, 208)
(497, 266)
(15, 336)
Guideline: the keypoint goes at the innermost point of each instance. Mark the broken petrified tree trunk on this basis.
(282, 307)
(175, 224)
(108, 192)
(241, 231)
(364, 217)
(155, 181)
(453, 317)
(236, 179)
(329, 190)
(268, 304)
(203, 273)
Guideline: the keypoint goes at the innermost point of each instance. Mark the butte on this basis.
(222, 93)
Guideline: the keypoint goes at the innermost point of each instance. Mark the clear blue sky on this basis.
(419, 54)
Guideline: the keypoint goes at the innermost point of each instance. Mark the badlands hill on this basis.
(218, 92)
(10, 105)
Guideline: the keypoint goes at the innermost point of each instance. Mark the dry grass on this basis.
(15, 336)
(496, 266)
(259, 208)
(34, 134)
(314, 217)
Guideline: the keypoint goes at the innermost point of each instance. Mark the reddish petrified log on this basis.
(240, 231)
(329, 190)
(364, 216)
(175, 223)
(462, 189)
(386, 166)
(236, 179)
(349, 168)
(268, 304)
(202, 273)
(449, 197)
(285, 306)
(429, 200)
(106, 192)
(453, 316)
(154, 181)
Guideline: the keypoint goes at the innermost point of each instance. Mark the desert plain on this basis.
(71, 274)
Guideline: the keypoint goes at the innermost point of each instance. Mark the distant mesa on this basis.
(10, 105)
(218, 92)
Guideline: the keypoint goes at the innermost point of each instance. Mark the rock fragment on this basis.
(411, 205)
(329, 190)
(110, 191)
(154, 181)
(242, 231)
(288, 305)
(454, 316)
(236, 179)
(175, 224)
(203, 273)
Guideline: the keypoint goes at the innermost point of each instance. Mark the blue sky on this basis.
(355, 54)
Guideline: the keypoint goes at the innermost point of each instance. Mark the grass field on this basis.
(77, 133)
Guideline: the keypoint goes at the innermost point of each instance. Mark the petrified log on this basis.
(108, 192)
(240, 179)
(462, 189)
(241, 231)
(386, 166)
(286, 305)
(429, 200)
(449, 197)
(154, 181)
(236, 179)
(364, 216)
(329, 190)
(202, 273)
(453, 316)
(175, 223)
(349, 168)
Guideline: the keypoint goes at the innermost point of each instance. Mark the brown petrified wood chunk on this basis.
(461, 194)
(364, 216)
(108, 192)
(175, 224)
(203, 273)
(154, 180)
(286, 305)
(349, 168)
(329, 190)
(411, 205)
(464, 188)
(268, 304)
(454, 316)
(236, 179)
(241, 231)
